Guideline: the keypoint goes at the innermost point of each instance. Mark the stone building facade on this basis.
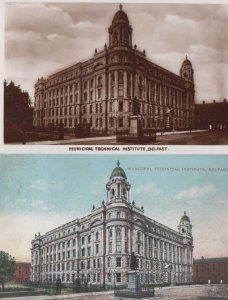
(214, 270)
(97, 248)
(100, 91)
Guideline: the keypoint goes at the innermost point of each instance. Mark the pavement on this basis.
(106, 139)
(196, 292)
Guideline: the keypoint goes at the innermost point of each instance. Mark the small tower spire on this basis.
(186, 56)
(118, 163)
(120, 6)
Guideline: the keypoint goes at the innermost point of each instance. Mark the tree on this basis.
(17, 111)
(7, 267)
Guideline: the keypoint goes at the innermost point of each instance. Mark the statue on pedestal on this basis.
(135, 107)
(133, 263)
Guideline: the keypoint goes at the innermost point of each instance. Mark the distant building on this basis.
(212, 115)
(22, 272)
(213, 269)
(100, 91)
(97, 248)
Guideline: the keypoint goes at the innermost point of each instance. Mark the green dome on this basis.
(118, 172)
(185, 218)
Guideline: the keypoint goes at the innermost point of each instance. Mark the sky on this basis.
(42, 38)
(41, 192)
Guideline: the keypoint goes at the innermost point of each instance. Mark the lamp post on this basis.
(114, 275)
(116, 122)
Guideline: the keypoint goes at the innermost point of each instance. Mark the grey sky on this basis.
(42, 38)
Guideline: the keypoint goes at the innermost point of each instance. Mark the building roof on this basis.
(210, 260)
(118, 172)
(120, 15)
(186, 62)
(185, 218)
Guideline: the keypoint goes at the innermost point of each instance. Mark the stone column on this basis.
(114, 239)
(153, 248)
(158, 249)
(123, 240)
(149, 91)
(132, 85)
(125, 84)
(109, 85)
(136, 86)
(145, 91)
(107, 240)
(116, 84)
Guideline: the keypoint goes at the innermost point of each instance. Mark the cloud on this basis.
(49, 37)
(147, 189)
(196, 192)
(210, 235)
(38, 184)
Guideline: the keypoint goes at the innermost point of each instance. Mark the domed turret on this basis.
(120, 32)
(118, 172)
(186, 70)
(185, 226)
(186, 62)
(120, 16)
(118, 187)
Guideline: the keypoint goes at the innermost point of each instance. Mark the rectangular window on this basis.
(97, 248)
(120, 122)
(85, 96)
(118, 277)
(99, 93)
(88, 264)
(98, 263)
(118, 261)
(118, 246)
(120, 90)
(110, 247)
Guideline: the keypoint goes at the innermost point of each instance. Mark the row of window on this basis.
(153, 92)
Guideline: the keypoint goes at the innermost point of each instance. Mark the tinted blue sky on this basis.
(42, 191)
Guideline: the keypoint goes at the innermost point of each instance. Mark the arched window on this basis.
(99, 80)
(138, 235)
(114, 37)
(118, 232)
(109, 262)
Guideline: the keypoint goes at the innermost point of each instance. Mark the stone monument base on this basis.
(134, 288)
(136, 134)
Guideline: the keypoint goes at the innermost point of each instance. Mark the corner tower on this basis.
(118, 188)
(186, 71)
(185, 226)
(120, 32)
